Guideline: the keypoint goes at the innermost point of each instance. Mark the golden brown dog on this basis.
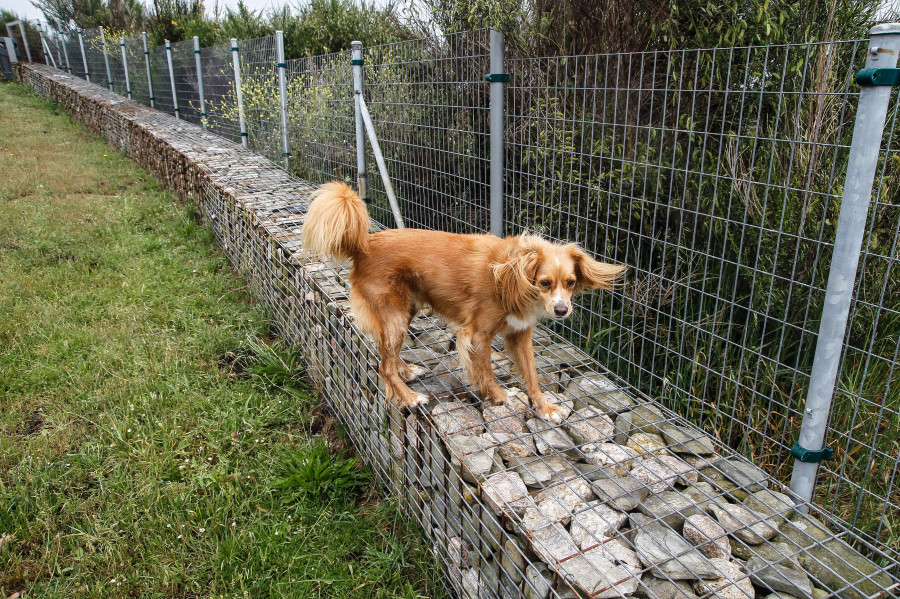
(487, 286)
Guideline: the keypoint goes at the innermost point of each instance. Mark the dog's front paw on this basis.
(551, 413)
(413, 371)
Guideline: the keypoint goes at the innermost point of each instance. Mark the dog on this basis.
(483, 284)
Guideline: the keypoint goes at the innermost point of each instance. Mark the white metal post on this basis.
(865, 146)
(149, 76)
(172, 78)
(282, 93)
(356, 60)
(25, 40)
(87, 70)
(200, 81)
(106, 59)
(47, 54)
(125, 67)
(237, 90)
(382, 165)
(498, 78)
(66, 53)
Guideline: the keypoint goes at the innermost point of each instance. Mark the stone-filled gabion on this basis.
(623, 498)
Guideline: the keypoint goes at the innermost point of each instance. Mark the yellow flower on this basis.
(175, 23)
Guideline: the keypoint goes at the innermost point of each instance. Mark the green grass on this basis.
(153, 443)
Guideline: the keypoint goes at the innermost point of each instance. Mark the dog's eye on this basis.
(545, 284)
(570, 284)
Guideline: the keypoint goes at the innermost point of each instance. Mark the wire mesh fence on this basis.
(716, 175)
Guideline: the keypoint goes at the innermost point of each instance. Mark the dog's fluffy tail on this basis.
(337, 223)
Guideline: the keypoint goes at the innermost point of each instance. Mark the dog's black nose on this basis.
(561, 309)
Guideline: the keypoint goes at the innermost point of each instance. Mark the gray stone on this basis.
(589, 425)
(623, 428)
(503, 419)
(671, 507)
(549, 439)
(703, 495)
(470, 457)
(471, 584)
(541, 515)
(657, 588)
(745, 524)
(505, 493)
(646, 443)
(661, 472)
(600, 575)
(745, 475)
(538, 581)
(512, 559)
(572, 495)
(780, 595)
(832, 562)
(600, 392)
(538, 471)
(667, 553)
(552, 543)
(772, 552)
(458, 549)
(767, 501)
(454, 417)
(685, 440)
(779, 578)
(647, 419)
(732, 583)
(591, 472)
(511, 447)
(624, 492)
(707, 536)
(612, 454)
(564, 403)
(595, 523)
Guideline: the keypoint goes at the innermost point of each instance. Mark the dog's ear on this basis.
(592, 274)
(515, 278)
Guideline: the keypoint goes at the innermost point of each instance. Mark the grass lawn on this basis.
(152, 442)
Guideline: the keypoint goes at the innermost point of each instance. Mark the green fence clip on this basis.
(497, 77)
(356, 61)
(878, 77)
(810, 455)
(282, 65)
(234, 48)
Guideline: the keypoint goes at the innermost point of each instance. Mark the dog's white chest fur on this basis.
(517, 325)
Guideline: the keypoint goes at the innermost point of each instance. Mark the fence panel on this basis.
(320, 115)
(429, 104)
(716, 176)
(184, 70)
(259, 86)
(218, 87)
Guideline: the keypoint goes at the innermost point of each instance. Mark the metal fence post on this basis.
(48, 56)
(865, 147)
(282, 93)
(497, 77)
(237, 89)
(25, 40)
(106, 59)
(172, 78)
(87, 71)
(200, 81)
(125, 67)
(356, 61)
(149, 77)
(66, 53)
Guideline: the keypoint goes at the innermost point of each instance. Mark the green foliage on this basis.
(68, 15)
(320, 477)
(31, 34)
(178, 20)
(242, 23)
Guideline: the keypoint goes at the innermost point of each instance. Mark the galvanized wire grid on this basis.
(428, 101)
(94, 52)
(259, 86)
(187, 87)
(162, 83)
(321, 117)
(219, 90)
(716, 176)
(76, 61)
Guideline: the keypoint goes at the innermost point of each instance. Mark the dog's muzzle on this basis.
(560, 310)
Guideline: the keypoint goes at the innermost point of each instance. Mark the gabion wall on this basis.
(623, 498)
